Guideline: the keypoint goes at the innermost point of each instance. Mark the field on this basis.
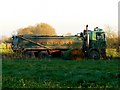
(58, 73)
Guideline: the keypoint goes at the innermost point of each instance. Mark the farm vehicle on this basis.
(87, 44)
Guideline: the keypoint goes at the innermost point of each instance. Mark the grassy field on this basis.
(58, 73)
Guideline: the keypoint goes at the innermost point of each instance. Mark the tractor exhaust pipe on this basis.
(86, 27)
(87, 36)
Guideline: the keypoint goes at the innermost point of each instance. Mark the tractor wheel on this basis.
(94, 55)
(29, 54)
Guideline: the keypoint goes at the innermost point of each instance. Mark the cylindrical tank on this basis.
(52, 42)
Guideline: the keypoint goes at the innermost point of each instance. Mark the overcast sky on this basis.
(64, 15)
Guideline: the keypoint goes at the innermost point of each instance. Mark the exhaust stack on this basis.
(87, 36)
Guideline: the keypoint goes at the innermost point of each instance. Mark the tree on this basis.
(111, 36)
(41, 29)
(27, 30)
(44, 29)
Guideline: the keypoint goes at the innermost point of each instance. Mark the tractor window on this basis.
(100, 36)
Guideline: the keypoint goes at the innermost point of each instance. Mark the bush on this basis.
(112, 53)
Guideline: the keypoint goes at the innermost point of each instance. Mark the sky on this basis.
(63, 15)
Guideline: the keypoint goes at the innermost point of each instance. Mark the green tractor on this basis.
(94, 43)
(89, 44)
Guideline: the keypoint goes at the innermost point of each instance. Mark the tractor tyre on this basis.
(94, 55)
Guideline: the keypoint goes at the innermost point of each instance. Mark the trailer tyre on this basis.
(43, 54)
(29, 54)
(94, 55)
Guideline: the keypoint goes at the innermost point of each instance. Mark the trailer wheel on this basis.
(43, 54)
(29, 54)
(94, 55)
(65, 55)
(62, 54)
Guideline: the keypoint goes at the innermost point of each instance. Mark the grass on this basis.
(58, 73)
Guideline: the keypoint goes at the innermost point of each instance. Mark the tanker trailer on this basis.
(91, 44)
(42, 46)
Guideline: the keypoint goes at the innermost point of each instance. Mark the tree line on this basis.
(41, 29)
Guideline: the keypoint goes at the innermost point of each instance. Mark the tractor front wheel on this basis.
(94, 55)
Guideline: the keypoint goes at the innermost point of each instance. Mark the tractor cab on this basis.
(94, 41)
